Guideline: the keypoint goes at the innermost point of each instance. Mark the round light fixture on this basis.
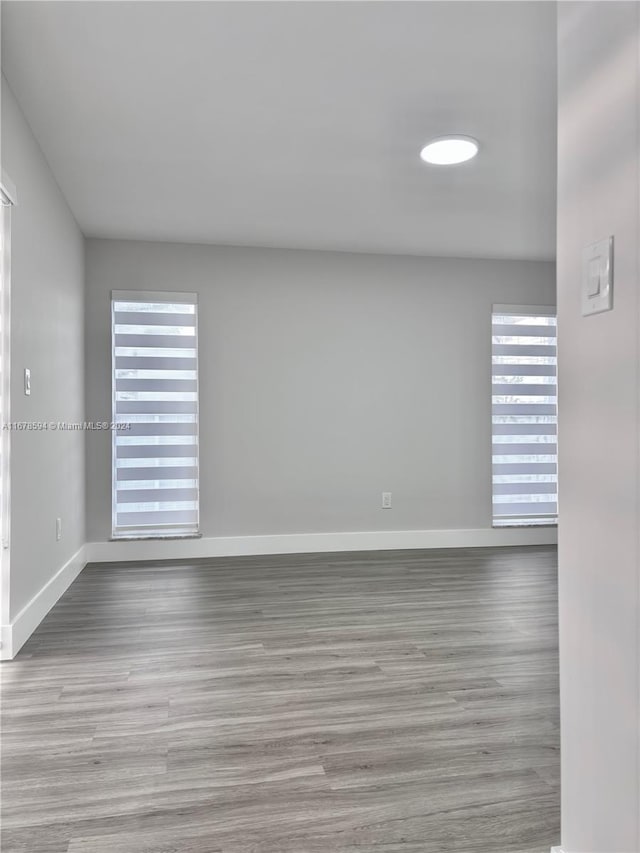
(449, 150)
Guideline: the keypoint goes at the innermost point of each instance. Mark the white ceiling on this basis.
(295, 124)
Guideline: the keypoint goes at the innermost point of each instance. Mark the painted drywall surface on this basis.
(598, 187)
(47, 311)
(325, 379)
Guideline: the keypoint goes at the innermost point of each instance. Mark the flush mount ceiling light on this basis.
(449, 150)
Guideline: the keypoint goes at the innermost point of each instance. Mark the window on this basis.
(155, 407)
(524, 416)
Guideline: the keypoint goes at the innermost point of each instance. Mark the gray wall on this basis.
(326, 379)
(47, 309)
(598, 195)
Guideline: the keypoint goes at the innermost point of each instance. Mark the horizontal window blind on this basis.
(155, 407)
(524, 416)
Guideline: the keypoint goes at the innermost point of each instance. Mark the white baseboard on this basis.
(306, 543)
(16, 634)
(557, 850)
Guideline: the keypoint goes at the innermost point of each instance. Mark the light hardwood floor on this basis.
(385, 702)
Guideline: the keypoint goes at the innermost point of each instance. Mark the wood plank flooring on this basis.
(383, 702)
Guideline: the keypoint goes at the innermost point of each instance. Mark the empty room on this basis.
(320, 418)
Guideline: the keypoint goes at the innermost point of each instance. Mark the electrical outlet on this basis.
(58, 529)
(386, 500)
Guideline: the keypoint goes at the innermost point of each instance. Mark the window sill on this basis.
(155, 537)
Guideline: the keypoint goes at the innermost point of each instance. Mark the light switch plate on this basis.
(597, 277)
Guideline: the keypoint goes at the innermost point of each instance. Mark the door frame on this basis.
(8, 200)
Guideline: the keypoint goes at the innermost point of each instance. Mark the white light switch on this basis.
(27, 381)
(597, 277)
(594, 278)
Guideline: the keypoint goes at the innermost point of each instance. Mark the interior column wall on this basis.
(599, 430)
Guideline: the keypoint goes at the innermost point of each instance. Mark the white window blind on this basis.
(155, 405)
(524, 416)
